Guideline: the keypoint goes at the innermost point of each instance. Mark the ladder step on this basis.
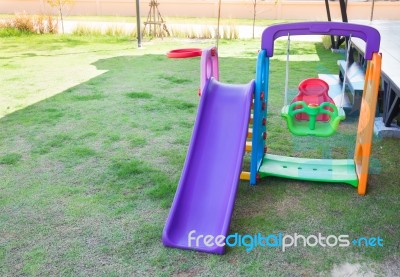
(248, 146)
(250, 133)
(244, 175)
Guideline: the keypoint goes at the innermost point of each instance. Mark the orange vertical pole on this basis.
(366, 122)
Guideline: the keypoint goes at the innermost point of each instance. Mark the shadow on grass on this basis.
(94, 169)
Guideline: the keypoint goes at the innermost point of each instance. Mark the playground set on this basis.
(229, 114)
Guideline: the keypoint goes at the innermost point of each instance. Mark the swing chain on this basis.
(345, 70)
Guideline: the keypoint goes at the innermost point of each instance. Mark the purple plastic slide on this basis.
(206, 192)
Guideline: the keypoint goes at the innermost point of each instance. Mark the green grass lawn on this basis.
(94, 133)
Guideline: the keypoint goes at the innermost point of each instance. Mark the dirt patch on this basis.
(288, 204)
(391, 267)
(188, 273)
(351, 270)
(252, 201)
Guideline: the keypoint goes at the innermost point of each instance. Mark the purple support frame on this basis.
(209, 66)
(370, 35)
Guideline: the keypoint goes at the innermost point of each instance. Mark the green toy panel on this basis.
(321, 170)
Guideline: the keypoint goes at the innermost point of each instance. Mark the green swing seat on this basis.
(312, 127)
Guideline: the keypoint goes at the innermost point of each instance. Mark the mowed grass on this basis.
(94, 133)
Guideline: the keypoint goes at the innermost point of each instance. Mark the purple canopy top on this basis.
(370, 35)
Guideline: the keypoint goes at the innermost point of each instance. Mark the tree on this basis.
(60, 5)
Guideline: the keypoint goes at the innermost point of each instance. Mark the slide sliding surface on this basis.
(206, 192)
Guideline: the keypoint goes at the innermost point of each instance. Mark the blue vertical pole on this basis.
(259, 115)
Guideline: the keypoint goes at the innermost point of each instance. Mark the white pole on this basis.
(219, 18)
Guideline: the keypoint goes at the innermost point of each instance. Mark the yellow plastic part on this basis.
(245, 176)
(248, 146)
(366, 122)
